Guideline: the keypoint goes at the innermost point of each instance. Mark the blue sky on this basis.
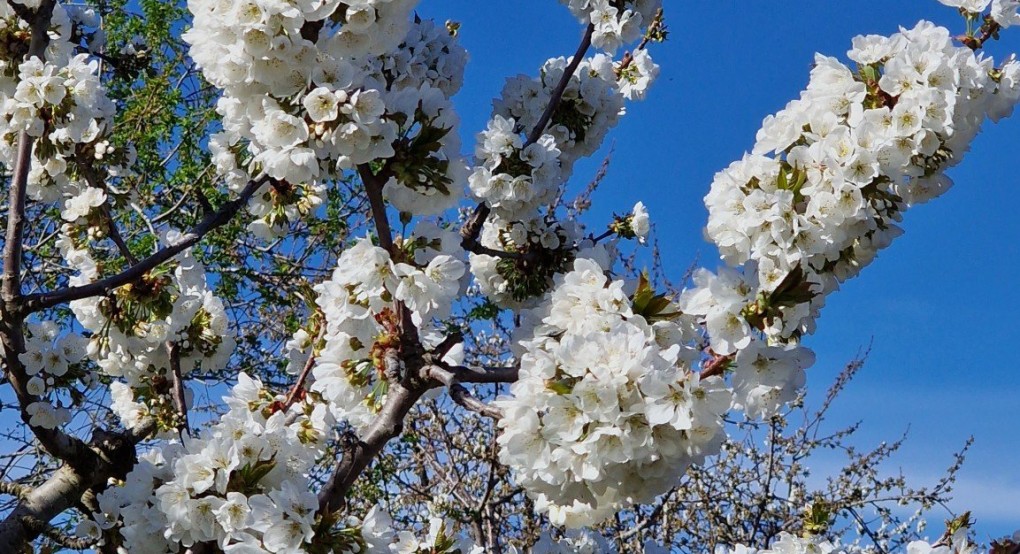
(937, 307)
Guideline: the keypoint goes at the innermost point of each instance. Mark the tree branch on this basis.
(373, 188)
(484, 375)
(42, 301)
(12, 335)
(557, 94)
(177, 388)
(460, 394)
(107, 455)
(388, 424)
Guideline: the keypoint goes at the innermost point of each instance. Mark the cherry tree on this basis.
(277, 200)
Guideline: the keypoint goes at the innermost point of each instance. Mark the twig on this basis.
(299, 385)
(561, 87)
(460, 394)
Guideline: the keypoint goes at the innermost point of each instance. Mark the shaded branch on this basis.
(484, 375)
(42, 301)
(557, 94)
(460, 394)
(177, 388)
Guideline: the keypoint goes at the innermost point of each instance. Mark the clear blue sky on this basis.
(938, 306)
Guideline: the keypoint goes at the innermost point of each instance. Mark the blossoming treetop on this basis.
(325, 110)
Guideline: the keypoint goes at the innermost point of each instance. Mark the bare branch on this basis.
(460, 394)
(222, 216)
(484, 375)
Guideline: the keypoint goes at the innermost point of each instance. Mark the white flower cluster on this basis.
(319, 87)
(440, 540)
(48, 357)
(852, 153)
(1003, 12)
(786, 543)
(353, 371)
(824, 187)
(592, 104)
(791, 544)
(616, 23)
(517, 178)
(129, 505)
(606, 412)
(512, 178)
(521, 282)
(242, 484)
(429, 54)
(60, 103)
(132, 326)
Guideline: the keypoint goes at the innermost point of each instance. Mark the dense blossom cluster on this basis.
(50, 360)
(318, 88)
(824, 188)
(169, 313)
(518, 177)
(616, 23)
(831, 174)
(606, 412)
(1003, 12)
(361, 352)
(786, 543)
(240, 485)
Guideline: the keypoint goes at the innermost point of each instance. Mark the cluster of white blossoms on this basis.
(49, 357)
(615, 22)
(316, 88)
(786, 543)
(518, 178)
(1003, 12)
(606, 412)
(515, 176)
(538, 249)
(591, 105)
(242, 484)
(824, 188)
(362, 341)
(441, 539)
(58, 101)
(831, 174)
(135, 328)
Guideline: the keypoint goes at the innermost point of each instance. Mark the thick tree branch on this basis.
(107, 455)
(388, 424)
(219, 218)
(12, 334)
